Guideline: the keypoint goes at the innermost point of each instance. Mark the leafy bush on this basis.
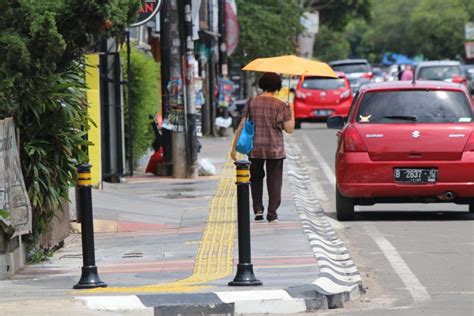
(144, 99)
(42, 87)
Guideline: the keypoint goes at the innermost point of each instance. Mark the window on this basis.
(414, 106)
(322, 84)
(351, 68)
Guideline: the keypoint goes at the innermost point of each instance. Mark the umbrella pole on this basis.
(289, 87)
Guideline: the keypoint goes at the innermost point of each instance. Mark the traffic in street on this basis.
(414, 259)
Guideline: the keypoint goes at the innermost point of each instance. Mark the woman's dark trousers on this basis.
(274, 168)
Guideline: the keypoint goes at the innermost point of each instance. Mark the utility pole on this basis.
(222, 40)
(213, 8)
(165, 56)
(178, 137)
(188, 66)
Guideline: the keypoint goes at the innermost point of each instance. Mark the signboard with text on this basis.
(148, 10)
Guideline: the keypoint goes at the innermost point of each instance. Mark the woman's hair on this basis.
(269, 82)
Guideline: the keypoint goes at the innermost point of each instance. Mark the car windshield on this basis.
(351, 68)
(322, 83)
(438, 72)
(414, 106)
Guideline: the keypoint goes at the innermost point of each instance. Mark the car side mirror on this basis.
(335, 122)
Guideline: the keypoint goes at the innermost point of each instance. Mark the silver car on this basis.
(441, 70)
(358, 71)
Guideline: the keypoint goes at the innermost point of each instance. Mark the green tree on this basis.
(439, 28)
(335, 14)
(331, 45)
(434, 28)
(267, 28)
(42, 87)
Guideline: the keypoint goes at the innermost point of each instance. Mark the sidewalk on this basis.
(169, 246)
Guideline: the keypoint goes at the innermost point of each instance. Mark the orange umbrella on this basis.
(291, 65)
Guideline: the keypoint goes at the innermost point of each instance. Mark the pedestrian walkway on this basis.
(169, 246)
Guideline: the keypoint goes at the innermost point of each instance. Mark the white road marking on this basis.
(413, 285)
(322, 163)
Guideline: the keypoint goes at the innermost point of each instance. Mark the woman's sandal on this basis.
(259, 216)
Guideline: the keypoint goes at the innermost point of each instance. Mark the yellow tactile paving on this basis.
(215, 255)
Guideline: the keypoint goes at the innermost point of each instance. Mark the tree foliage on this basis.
(439, 28)
(335, 14)
(331, 45)
(433, 28)
(267, 28)
(144, 99)
(42, 87)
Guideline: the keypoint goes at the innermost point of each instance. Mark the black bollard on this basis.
(90, 277)
(245, 275)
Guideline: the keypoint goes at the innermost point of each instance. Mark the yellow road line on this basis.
(215, 255)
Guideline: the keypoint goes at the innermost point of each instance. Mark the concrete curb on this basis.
(297, 299)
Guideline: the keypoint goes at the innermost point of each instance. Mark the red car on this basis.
(405, 142)
(317, 98)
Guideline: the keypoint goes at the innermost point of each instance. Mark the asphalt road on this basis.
(415, 259)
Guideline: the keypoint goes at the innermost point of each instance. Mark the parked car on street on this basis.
(358, 71)
(469, 72)
(442, 70)
(405, 142)
(317, 98)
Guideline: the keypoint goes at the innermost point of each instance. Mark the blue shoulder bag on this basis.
(245, 142)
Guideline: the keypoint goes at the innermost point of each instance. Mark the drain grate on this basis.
(133, 255)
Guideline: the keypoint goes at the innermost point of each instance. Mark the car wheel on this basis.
(344, 207)
(471, 207)
(297, 124)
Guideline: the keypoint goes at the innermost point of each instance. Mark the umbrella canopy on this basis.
(291, 65)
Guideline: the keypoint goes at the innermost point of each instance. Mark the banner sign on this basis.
(148, 10)
(175, 118)
(15, 207)
(232, 26)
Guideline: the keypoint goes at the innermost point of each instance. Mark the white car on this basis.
(440, 70)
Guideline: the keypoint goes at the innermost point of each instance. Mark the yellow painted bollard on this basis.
(245, 275)
(89, 277)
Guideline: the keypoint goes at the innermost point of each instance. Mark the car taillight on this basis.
(368, 75)
(470, 143)
(345, 94)
(353, 141)
(300, 95)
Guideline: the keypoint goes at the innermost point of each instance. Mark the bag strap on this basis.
(248, 109)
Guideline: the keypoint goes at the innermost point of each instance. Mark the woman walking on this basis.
(271, 117)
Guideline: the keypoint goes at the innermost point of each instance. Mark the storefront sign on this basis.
(148, 10)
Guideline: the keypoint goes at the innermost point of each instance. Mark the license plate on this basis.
(323, 112)
(414, 175)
